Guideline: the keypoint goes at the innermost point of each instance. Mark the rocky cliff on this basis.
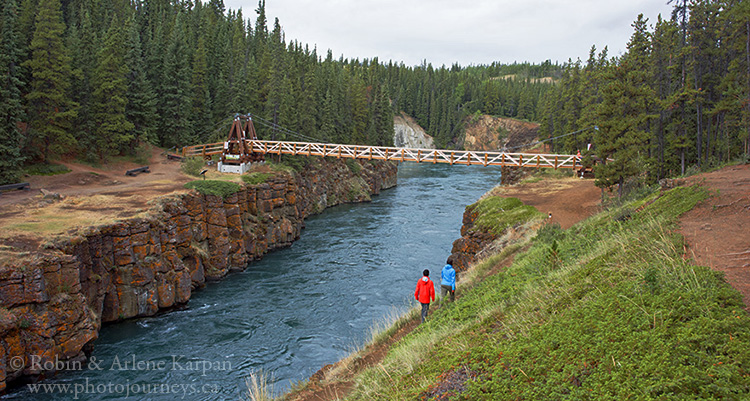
(489, 133)
(54, 301)
(408, 134)
(490, 225)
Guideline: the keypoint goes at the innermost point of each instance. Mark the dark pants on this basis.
(425, 308)
(445, 289)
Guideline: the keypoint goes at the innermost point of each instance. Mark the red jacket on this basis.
(425, 291)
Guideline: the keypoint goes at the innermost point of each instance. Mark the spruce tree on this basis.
(113, 133)
(84, 44)
(624, 114)
(176, 129)
(201, 99)
(50, 109)
(141, 108)
(11, 109)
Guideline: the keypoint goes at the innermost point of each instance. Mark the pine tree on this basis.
(50, 109)
(141, 109)
(624, 113)
(11, 110)
(83, 44)
(201, 100)
(113, 133)
(176, 129)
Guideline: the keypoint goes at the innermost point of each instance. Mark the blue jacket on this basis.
(448, 277)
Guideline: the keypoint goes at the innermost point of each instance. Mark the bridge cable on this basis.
(555, 137)
(272, 125)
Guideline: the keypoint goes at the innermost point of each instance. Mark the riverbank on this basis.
(54, 299)
(337, 380)
(609, 308)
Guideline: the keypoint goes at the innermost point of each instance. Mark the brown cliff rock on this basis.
(53, 304)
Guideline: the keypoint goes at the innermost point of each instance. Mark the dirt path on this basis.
(165, 176)
(569, 200)
(717, 231)
(90, 196)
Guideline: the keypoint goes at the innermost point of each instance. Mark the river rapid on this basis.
(292, 312)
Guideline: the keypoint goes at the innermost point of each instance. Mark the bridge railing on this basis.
(464, 157)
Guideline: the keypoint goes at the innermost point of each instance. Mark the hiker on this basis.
(425, 292)
(448, 280)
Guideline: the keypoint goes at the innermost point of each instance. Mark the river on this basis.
(295, 310)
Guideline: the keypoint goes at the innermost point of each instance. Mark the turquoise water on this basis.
(295, 310)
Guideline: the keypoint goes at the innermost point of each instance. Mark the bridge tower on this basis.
(237, 155)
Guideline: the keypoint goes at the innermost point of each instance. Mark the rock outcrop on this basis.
(487, 133)
(408, 134)
(53, 302)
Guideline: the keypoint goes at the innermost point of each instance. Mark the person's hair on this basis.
(426, 272)
(450, 260)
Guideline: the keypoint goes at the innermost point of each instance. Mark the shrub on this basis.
(214, 187)
(46, 169)
(255, 178)
(354, 166)
(192, 166)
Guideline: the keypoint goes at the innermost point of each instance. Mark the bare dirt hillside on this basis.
(488, 133)
(717, 231)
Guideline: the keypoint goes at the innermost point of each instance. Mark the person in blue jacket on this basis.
(448, 280)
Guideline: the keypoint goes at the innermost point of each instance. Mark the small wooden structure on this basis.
(237, 155)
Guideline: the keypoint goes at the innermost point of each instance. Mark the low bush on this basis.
(46, 169)
(354, 166)
(214, 187)
(192, 166)
(608, 309)
(255, 178)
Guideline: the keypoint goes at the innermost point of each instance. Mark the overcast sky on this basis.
(444, 32)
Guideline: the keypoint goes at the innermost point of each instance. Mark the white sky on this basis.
(447, 31)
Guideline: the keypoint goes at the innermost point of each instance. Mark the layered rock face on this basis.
(53, 303)
(473, 240)
(408, 134)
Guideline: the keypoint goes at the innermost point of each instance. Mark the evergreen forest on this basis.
(96, 79)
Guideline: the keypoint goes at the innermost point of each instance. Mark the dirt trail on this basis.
(570, 200)
(165, 176)
(717, 231)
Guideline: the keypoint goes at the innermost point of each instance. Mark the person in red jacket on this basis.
(425, 292)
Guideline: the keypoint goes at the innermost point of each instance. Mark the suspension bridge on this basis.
(243, 146)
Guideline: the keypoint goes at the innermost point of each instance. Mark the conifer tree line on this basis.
(94, 78)
(677, 99)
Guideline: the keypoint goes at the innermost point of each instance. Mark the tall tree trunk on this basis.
(747, 87)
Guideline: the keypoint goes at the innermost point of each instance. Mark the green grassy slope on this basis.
(609, 309)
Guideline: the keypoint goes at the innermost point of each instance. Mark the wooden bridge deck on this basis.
(463, 157)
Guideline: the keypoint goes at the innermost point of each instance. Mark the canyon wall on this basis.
(54, 301)
(408, 134)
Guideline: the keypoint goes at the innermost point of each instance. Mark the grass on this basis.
(255, 178)
(69, 214)
(496, 213)
(214, 187)
(608, 309)
(259, 387)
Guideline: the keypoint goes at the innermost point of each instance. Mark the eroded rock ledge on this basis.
(53, 302)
